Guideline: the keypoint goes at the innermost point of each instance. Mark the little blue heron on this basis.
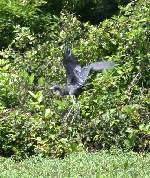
(77, 75)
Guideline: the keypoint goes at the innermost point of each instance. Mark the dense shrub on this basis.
(86, 10)
(113, 112)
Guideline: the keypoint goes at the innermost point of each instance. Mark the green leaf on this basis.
(41, 81)
(39, 96)
(31, 79)
(47, 112)
(32, 94)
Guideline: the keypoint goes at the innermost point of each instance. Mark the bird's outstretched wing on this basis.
(73, 69)
(96, 67)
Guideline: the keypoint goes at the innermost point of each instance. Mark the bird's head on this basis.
(67, 52)
(56, 89)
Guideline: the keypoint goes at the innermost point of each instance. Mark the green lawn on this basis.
(99, 165)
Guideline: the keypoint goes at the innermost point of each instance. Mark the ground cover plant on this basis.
(113, 111)
(97, 165)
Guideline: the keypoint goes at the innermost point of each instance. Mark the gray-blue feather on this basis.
(77, 75)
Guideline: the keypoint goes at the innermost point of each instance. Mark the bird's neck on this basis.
(62, 91)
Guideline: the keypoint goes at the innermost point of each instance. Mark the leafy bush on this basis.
(113, 112)
(93, 11)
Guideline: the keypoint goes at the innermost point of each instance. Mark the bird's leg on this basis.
(71, 109)
(78, 108)
(74, 102)
(74, 99)
(74, 109)
(76, 105)
(68, 114)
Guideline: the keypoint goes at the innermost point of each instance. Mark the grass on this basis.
(95, 165)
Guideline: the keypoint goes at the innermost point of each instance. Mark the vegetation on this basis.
(97, 165)
(113, 112)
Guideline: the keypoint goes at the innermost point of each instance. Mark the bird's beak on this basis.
(51, 88)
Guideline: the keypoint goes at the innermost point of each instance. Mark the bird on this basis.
(77, 76)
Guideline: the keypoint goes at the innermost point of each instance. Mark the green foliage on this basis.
(86, 10)
(93, 11)
(23, 134)
(97, 165)
(24, 14)
(113, 111)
